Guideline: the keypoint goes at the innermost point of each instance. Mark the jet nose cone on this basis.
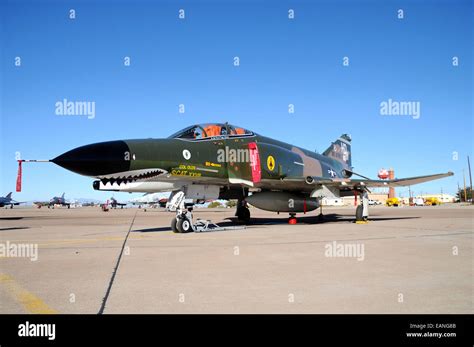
(96, 159)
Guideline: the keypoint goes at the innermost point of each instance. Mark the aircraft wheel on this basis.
(174, 227)
(359, 211)
(184, 225)
(243, 214)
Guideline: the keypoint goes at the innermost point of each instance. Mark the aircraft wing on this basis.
(348, 183)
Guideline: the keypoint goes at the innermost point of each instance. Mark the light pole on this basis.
(464, 178)
(470, 178)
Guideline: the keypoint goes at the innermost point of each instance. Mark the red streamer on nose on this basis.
(18, 177)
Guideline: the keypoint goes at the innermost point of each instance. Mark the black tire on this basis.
(247, 214)
(359, 211)
(184, 225)
(243, 214)
(173, 225)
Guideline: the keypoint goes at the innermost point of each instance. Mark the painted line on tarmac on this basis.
(111, 282)
(76, 241)
(30, 302)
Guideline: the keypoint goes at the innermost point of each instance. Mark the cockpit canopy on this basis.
(209, 130)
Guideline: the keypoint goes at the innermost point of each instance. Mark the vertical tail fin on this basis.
(341, 150)
(62, 196)
(9, 195)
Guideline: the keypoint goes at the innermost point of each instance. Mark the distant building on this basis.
(382, 197)
(404, 200)
(378, 197)
(349, 200)
(444, 198)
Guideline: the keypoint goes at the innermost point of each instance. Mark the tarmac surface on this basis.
(405, 260)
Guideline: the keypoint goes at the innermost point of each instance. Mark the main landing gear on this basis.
(242, 213)
(362, 210)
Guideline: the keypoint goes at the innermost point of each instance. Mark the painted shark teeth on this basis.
(143, 176)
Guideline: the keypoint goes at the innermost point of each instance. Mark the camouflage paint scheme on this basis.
(272, 164)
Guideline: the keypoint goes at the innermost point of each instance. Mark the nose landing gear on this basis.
(183, 222)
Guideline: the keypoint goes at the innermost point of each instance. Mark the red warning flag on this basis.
(18, 177)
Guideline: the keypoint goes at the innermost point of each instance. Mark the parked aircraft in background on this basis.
(8, 201)
(114, 203)
(152, 199)
(57, 200)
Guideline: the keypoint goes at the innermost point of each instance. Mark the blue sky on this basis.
(282, 62)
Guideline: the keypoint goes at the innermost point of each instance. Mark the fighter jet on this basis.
(222, 161)
(114, 203)
(152, 199)
(7, 200)
(56, 200)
